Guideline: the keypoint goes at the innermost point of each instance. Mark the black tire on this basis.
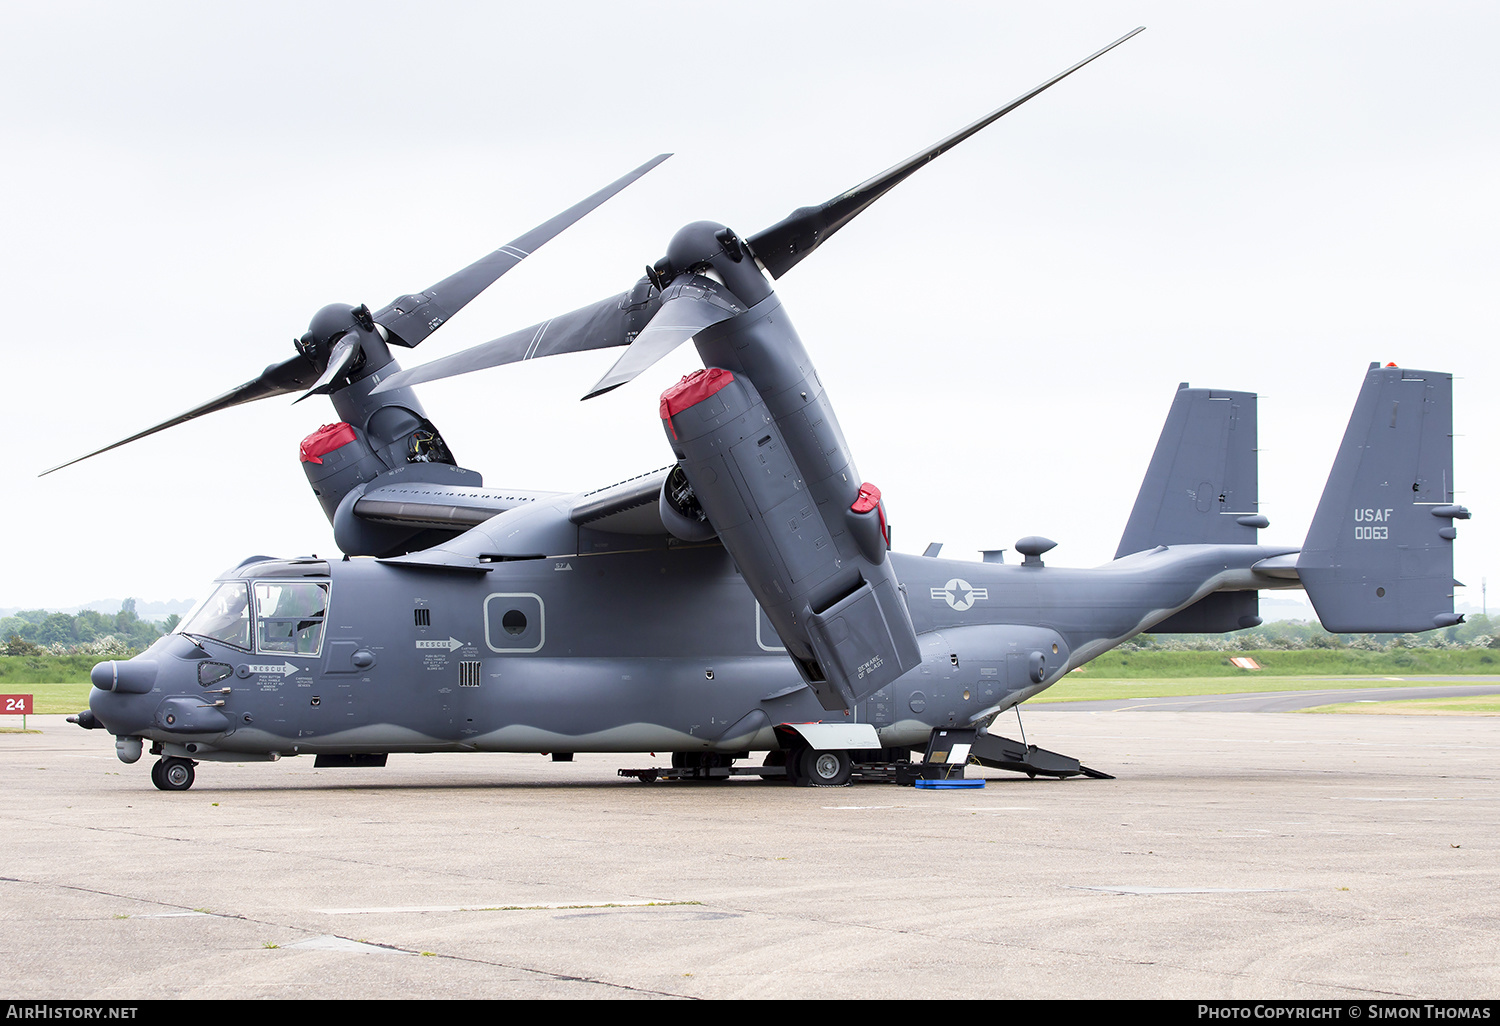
(825, 769)
(156, 775)
(792, 760)
(176, 774)
(701, 763)
(717, 761)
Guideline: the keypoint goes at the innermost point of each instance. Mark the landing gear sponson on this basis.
(948, 752)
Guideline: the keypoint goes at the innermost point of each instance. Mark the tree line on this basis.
(37, 632)
(1475, 632)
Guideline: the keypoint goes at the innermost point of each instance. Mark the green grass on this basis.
(1469, 705)
(52, 698)
(1118, 665)
(1150, 674)
(60, 684)
(18, 671)
(1075, 690)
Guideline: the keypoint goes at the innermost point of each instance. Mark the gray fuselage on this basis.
(657, 648)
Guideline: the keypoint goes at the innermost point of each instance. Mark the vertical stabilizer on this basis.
(1202, 483)
(1379, 553)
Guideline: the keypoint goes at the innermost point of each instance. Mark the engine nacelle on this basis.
(681, 512)
(775, 479)
(378, 436)
(336, 459)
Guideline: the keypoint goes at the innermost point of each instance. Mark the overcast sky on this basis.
(1260, 196)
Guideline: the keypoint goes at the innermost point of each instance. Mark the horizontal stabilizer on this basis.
(1379, 553)
(1201, 486)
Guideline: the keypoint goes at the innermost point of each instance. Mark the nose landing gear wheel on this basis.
(172, 774)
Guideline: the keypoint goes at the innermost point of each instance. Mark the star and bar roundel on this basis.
(959, 594)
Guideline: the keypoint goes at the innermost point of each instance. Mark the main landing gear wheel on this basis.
(824, 769)
(172, 774)
(792, 760)
(701, 763)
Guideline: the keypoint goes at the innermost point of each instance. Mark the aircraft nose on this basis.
(133, 676)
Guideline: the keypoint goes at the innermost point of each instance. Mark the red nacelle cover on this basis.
(690, 391)
(693, 389)
(326, 439)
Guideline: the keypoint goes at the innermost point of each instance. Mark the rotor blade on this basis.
(345, 353)
(410, 319)
(687, 307)
(277, 379)
(781, 246)
(609, 322)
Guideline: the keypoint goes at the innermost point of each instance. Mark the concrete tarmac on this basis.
(1234, 856)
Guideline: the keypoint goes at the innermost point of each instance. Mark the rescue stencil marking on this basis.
(285, 669)
(450, 644)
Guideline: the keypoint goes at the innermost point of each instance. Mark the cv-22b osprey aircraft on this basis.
(745, 598)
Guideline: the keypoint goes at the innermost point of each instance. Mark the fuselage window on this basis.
(289, 617)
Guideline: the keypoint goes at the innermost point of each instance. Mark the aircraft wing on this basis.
(549, 525)
(629, 507)
(437, 505)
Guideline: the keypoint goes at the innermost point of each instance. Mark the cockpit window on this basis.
(223, 616)
(289, 617)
